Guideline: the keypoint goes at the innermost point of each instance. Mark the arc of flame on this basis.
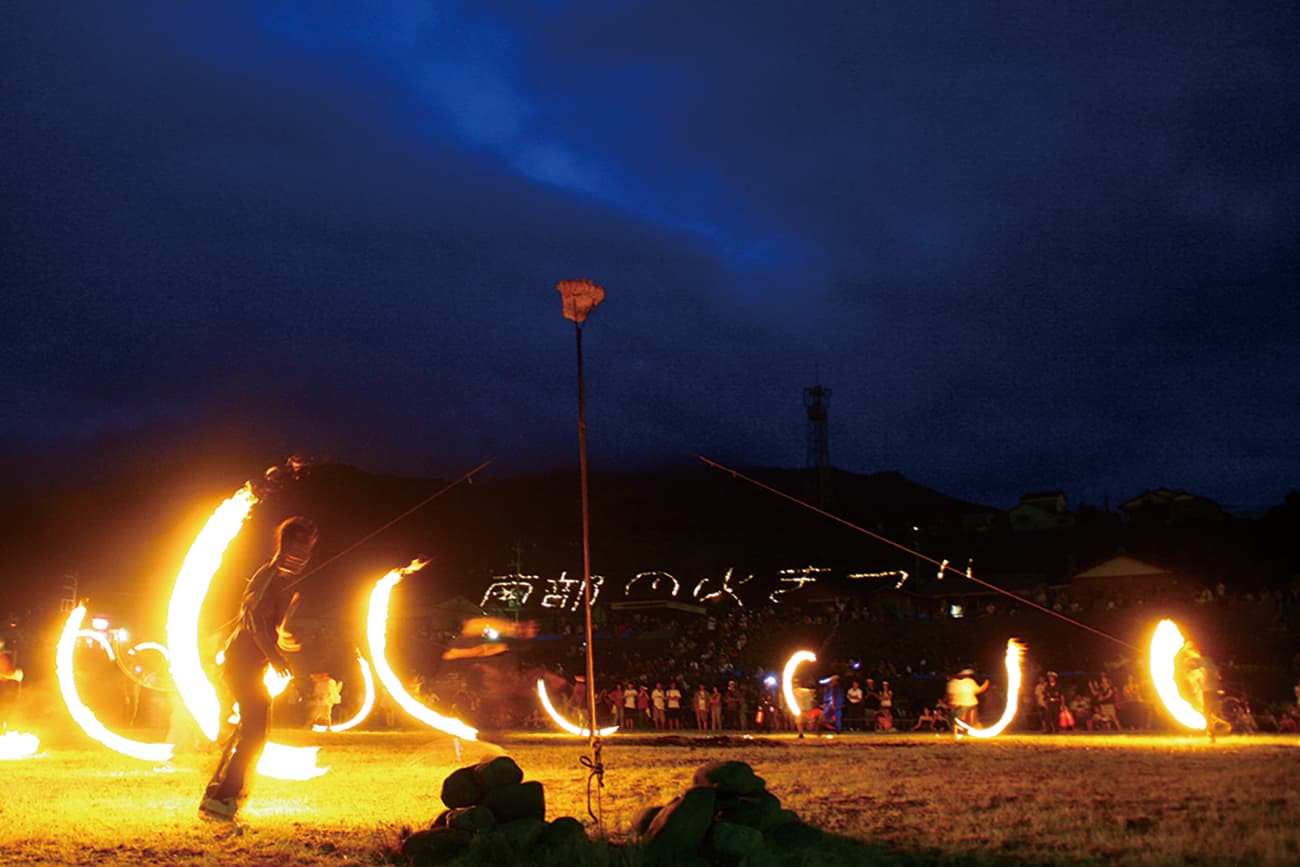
(1015, 654)
(84, 716)
(191, 589)
(367, 703)
(18, 745)
(1166, 641)
(376, 633)
(787, 678)
(99, 638)
(563, 723)
(149, 645)
(192, 684)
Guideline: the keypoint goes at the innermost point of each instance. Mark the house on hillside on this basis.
(1042, 510)
(982, 521)
(1161, 507)
(1123, 578)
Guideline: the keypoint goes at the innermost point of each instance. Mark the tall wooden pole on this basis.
(594, 738)
(579, 298)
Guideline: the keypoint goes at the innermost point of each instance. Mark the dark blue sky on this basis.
(1027, 245)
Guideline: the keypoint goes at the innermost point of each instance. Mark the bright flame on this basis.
(367, 703)
(84, 717)
(191, 589)
(149, 645)
(1015, 653)
(275, 683)
(376, 631)
(98, 636)
(1165, 644)
(283, 762)
(18, 745)
(787, 679)
(561, 721)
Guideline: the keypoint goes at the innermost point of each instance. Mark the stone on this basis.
(460, 790)
(732, 778)
(494, 773)
(524, 833)
(641, 821)
(564, 831)
(783, 817)
(476, 820)
(794, 835)
(435, 846)
(731, 842)
(518, 801)
(681, 825)
(758, 811)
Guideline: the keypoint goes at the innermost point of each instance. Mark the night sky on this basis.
(1026, 245)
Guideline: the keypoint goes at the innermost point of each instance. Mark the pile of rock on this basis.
(490, 800)
(725, 816)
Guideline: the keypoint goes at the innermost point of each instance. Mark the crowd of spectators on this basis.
(725, 665)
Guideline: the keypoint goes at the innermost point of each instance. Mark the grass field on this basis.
(884, 799)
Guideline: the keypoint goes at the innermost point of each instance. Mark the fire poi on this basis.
(18, 745)
(191, 589)
(1015, 653)
(84, 716)
(563, 723)
(376, 631)
(1166, 642)
(367, 702)
(787, 679)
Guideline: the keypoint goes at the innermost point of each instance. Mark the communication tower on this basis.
(815, 401)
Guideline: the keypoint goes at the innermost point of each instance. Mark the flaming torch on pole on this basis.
(579, 298)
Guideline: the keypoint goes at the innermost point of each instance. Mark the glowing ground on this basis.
(910, 798)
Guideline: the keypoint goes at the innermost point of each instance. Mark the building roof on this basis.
(1123, 567)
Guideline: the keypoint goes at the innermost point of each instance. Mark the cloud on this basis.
(1029, 247)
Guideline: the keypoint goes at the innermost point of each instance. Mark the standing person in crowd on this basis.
(715, 709)
(885, 717)
(701, 708)
(260, 639)
(963, 696)
(1134, 713)
(629, 705)
(885, 696)
(643, 704)
(1053, 701)
(870, 704)
(319, 707)
(614, 698)
(1040, 702)
(659, 707)
(1105, 713)
(731, 706)
(854, 711)
(673, 696)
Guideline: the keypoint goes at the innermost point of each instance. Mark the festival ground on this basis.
(897, 798)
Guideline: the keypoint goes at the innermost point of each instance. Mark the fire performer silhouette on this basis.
(260, 638)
